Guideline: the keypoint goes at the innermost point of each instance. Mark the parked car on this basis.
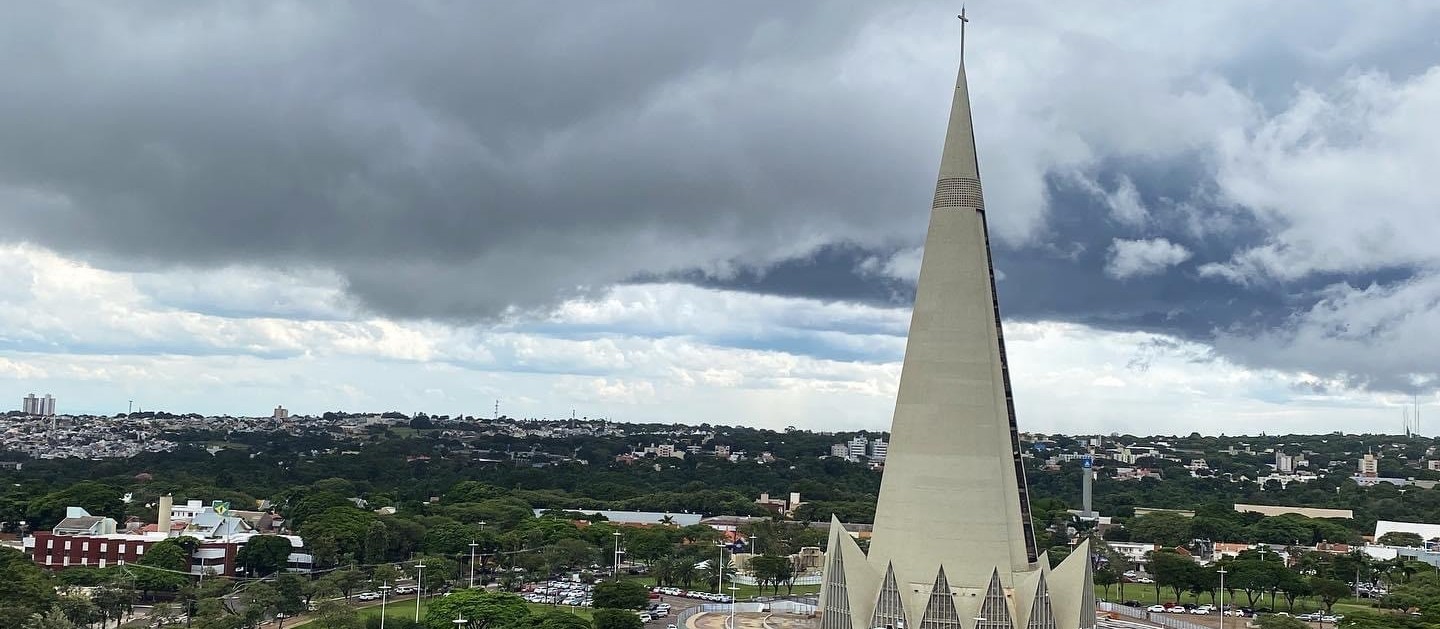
(1159, 609)
(368, 596)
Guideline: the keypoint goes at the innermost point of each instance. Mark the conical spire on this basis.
(959, 161)
(953, 492)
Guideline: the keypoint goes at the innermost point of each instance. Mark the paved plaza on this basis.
(766, 620)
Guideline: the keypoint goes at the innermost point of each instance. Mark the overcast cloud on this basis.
(467, 193)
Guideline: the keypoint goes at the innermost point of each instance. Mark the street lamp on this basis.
(732, 602)
(460, 621)
(419, 587)
(720, 568)
(1222, 573)
(615, 569)
(472, 563)
(384, 592)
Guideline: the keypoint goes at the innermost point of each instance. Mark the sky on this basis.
(1210, 217)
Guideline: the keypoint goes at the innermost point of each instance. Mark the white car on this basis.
(368, 596)
(1157, 609)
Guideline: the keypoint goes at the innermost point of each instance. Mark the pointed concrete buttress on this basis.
(953, 491)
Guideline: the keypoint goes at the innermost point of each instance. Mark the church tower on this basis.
(953, 545)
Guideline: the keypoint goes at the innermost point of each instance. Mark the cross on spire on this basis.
(963, 21)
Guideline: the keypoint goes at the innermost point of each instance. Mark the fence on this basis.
(804, 579)
(1157, 618)
(699, 609)
(778, 606)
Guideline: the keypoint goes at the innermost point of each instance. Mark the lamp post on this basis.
(732, 602)
(473, 545)
(460, 620)
(419, 587)
(384, 591)
(1222, 574)
(720, 568)
(615, 567)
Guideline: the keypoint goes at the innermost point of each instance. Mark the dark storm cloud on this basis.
(463, 161)
(448, 160)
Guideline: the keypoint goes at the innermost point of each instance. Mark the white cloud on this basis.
(1344, 176)
(695, 365)
(1140, 258)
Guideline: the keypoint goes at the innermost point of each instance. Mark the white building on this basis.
(280, 413)
(41, 406)
(1284, 463)
(879, 448)
(859, 446)
(1369, 466)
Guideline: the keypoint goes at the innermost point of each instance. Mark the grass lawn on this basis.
(406, 609)
(1145, 593)
(743, 592)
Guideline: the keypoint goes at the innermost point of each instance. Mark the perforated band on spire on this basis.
(958, 192)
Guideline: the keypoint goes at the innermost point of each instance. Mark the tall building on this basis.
(39, 406)
(858, 446)
(280, 413)
(1284, 463)
(952, 545)
(1369, 466)
(879, 449)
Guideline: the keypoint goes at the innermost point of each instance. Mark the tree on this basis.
(484, 610)
(1171, 570)
(114, 603)
(337, 615)
(556, 619)
(24, 588)
(55, 618)
(386, 573)
(291, 590)
(617, 619)
(770, 569)
(264, 555)
(325, 551)
(344, 581)
(1163, 527)
(621, 595)
(377, 542)
(1400, 538)
(1329, 591)
(168, 564)
(1106, 577)
(79, 610)
(260, 601)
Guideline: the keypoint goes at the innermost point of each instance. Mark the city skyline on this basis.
(655, 216)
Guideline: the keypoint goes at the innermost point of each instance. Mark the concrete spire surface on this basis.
(952, 472)
(953, 498)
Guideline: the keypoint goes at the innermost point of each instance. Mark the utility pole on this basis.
(419, 587)
(615, 569)
(472, 563)
(1222, 597)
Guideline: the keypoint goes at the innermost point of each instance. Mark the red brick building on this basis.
(57, 552)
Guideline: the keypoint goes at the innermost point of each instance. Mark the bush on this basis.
(617, 619)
